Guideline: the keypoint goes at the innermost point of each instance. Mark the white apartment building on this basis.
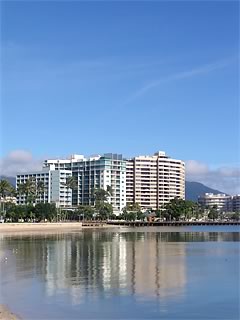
(55, 190)
(95, 172)
(221, 201)
(152, 181)
(236, 203)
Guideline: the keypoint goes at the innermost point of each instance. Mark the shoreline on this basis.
(6, 314)
(49, 226)
(44, 227)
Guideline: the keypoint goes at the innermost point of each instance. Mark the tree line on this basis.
(36, 210)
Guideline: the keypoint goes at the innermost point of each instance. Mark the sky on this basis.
(130, 77)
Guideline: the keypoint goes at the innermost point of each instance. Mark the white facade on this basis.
(153, 181)
(59, 194)
(130, 183)
(55, 191)
(236, 203)
(221, 201)
(95, 172)
(8, 199)
(150, 181)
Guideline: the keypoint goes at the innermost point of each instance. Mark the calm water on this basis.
(141, 273)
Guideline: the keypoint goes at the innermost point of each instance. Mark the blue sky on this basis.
(127, 77)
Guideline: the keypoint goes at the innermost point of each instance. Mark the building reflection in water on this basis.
(140, 264)
(86, 265)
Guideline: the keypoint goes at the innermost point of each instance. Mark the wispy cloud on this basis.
(225, 179)
(26, 61)
(204, 69)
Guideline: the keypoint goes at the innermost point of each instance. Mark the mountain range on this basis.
(11, 180)
(192, 189)
(195, 189)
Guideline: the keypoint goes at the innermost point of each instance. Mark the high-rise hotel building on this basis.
(95, 172)
(152, 181)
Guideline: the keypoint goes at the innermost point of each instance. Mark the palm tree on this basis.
(70, 184)
(40, 190)
(29, 190)
(85, 211)
(5, 189)
(110, 191)
(101, 195)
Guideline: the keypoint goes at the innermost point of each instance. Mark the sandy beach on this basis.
(59, 226)
(6, 314)
(21, 227)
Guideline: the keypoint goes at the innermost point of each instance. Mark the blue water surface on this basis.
(123, 273)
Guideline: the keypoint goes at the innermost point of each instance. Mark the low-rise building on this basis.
(8, 199)
(54, 191)
(236, 203)
(222, 202)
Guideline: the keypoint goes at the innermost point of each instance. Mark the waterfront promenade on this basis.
(71, 226)
(172, 223)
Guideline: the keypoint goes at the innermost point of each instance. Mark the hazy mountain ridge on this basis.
(11, 180)
(192, 189)
(195, 189)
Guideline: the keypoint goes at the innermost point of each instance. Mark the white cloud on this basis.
(20, 156)
(19, 161)
(195, 168)
(225, 179)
